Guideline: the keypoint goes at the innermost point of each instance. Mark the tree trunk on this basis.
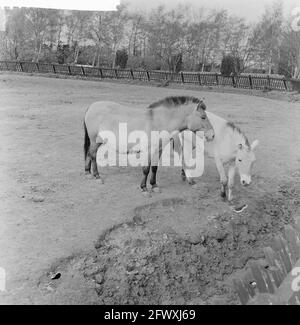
(98, 60)
(39, 53)
(94, 59)
(76, 55)
(114, 59)
(270, 63)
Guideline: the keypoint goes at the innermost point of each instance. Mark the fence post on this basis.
(116, 73)
(182, 78)
(54, 70)
(217, 79)
(69, 69)
(6, 65)
(148, 75)
(131, 72)
(285, 85)
(250, 81)
(37, 66)
(199, 78)
(82, 69)
(269, 81)
(21, 66)
(101, 74)
(233, 81)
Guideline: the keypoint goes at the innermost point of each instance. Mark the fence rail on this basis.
(197, 78)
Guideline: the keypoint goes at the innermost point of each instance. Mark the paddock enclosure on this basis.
(68, 239)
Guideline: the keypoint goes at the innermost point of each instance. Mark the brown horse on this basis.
(172, 114)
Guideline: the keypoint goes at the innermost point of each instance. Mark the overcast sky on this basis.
(250, 9)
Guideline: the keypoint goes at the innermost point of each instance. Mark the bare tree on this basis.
(77, 31)
(107, 32)
(37, 22)
(290, 52)
(136, 33)
(267, 36)
(14, 37)
(99, 33)
(166, 31)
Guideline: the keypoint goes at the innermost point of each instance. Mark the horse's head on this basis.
(198, 121)
(244, 160)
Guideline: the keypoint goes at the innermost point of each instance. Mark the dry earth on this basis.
(181, 246)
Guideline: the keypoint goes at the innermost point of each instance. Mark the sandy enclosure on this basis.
(51, 216)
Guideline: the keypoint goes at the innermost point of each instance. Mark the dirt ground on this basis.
(109, 244)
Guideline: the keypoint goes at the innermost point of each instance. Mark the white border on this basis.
(89, 5)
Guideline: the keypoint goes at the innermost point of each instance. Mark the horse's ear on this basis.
(254, 144)
(201, 106)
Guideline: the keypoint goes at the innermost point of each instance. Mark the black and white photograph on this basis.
(150, 155)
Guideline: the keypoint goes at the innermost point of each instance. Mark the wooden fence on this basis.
(271, 282)
(197, 78)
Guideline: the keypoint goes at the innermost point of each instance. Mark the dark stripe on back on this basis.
(175, 101)
(237, 129)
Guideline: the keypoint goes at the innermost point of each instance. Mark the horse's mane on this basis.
(175, 101)
(237, 130)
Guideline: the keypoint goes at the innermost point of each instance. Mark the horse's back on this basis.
(103, 108)
(107, 115)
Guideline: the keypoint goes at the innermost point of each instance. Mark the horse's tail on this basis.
(87, 141)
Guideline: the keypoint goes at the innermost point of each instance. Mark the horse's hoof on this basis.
(223, 195)
(191, 182)
(99, 179)
(156, 189)
(89, 175)
(146, 194)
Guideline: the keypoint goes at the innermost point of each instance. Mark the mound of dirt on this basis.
(149, 261)
(175, 252)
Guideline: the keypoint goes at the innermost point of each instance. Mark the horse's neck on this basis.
(238, 138)
(229, 143)
(226, 141)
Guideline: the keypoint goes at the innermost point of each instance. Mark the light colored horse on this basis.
(230, 146)
(172, 114)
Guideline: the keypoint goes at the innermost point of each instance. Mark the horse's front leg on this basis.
(154, 166)
(231, 174)
(153, 183)
(146, 170)
(223, 178)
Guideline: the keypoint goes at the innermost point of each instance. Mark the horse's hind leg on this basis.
(93, 155)
(154, 167)
(183, 175)
(88, 163)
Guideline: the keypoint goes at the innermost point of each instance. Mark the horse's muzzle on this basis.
(245, 180)
(209, 135)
